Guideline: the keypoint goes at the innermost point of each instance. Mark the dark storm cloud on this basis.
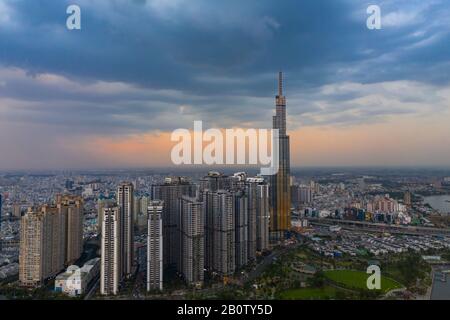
(214, 60)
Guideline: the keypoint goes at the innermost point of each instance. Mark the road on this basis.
(259, 269)
(93, 289)
(138, 286)
(379, 227)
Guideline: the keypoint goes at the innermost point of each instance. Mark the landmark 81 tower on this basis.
(280, 202)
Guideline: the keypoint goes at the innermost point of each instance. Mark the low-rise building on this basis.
(75, 280)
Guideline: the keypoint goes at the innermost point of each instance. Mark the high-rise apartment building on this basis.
(101, 204)
(41, 252)
(125, 201)
(209, 201)
(141, 214)
(220, 247)
(155, 245)
(280, 203)
(224, 234)
(111, 273)
(258, 191)
(214, 181)
(170, 193)
(137, 208)
(71, 208)
(192, 240)
(241, 225)
(51, 237)
(252, 193)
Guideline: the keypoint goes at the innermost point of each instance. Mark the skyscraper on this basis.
(224, 234)
(220, 249)
(101, 204)
(252, 192)
(215, 181)
(192, 240)
(170, 192)
(31, 261)
(259, 215)
(241, 225)
(71, 208)
(209, 195)
(125, 201)
(111, 261)
(41, 253)
(51, 236)
(209, 200)
(141, 221)
(280, 203)
(155, 246)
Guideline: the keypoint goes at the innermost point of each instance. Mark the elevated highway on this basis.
(380, 227)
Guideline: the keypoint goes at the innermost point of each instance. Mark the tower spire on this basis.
(280, 99)
(280, 83)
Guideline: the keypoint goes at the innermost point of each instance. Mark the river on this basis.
(441, 284)
(440, 203)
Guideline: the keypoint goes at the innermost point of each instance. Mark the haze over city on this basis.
(110, 94)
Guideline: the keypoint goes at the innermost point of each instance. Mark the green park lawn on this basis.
(352, 279)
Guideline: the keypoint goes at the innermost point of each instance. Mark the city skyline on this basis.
(104, 96)
(224, 158)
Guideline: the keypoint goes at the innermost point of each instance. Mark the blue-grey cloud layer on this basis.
(179, 60)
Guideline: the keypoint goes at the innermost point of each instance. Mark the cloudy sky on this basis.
(110, 94)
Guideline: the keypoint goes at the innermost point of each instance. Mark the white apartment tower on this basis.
(259, 207)
(111, 264)
(192, 236)
(154, 246)
(125, 201)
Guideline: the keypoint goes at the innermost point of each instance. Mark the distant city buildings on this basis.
(383, 204)
(17, 210)
(407, 199)
(301, 195)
